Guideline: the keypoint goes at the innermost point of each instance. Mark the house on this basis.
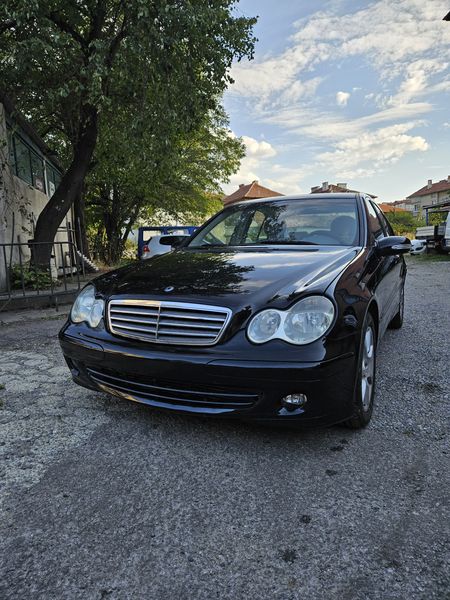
(251, 191)
(386, 207)
(390, 207)
(29, 175)
(332, 188)
(430, 194)
(403, 205)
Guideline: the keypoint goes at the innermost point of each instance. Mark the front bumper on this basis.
(202, 383)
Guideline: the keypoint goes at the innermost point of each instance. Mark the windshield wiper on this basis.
(284, 242)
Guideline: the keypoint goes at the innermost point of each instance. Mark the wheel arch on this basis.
(375, 314)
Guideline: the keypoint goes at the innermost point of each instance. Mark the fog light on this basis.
(294, 400)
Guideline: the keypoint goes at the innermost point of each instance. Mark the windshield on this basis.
(309, 221)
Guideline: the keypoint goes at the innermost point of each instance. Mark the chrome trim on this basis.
(149, 317)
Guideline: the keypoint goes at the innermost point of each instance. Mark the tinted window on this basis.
(331, 222)
(386, 225)
(375, 224)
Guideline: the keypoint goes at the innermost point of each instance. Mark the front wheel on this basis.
(365, 382)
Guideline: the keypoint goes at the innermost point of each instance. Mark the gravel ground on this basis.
(107, 499)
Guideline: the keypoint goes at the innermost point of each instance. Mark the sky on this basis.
(344, 91)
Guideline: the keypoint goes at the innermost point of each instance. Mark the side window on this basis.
(256, 231)
(224, 231)
(386, 225)
(376, 227)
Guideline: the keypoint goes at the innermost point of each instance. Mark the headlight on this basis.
(264, 326)
(303, 323)
(87, 308)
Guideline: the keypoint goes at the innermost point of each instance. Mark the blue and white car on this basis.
(418, 246)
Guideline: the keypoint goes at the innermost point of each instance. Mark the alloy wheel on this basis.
(368, 369)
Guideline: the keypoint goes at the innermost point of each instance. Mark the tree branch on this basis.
(67, 28)
(115, 43)
(98, 20)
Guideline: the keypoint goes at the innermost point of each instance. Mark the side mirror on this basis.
(173, 240)
(392, 245)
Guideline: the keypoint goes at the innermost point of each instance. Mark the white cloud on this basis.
(416, 80)
(244, 176)
(379, 148)
(386, 34)
(342, 98)
(321, 125)
(298, 90)
(258, 149)
(253, 165)
(406, 46)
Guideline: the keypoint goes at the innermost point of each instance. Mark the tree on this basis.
(404, 222)
(69, 63)
(184, 183)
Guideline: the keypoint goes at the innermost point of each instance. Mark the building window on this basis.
(22, 160)
(53, 178)
(37, 167)
(27, 164)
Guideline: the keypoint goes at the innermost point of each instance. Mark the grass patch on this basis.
(431, 257)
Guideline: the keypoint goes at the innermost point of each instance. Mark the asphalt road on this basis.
(107, 499)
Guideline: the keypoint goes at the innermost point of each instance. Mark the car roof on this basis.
(328, 196)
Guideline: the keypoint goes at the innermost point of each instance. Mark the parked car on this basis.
(271, 311)
(153, 247)
(418, 246)
(148, 238)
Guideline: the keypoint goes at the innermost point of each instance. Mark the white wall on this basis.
(420, 201)
(20, 204)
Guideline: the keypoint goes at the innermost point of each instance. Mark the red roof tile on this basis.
(440, 186)
(390, 207)
(251, 191)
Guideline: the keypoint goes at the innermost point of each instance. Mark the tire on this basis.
(397, 321)
(365, 382)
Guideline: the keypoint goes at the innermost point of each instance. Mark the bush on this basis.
(130, 250)
(404, 223)
(29, 277)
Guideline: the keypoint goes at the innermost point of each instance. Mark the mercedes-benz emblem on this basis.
(169, 289)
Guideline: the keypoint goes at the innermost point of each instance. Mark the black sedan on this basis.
(271, 311)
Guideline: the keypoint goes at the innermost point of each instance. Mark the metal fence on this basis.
(21, 277)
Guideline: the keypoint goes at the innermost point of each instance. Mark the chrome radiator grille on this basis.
(167, 322)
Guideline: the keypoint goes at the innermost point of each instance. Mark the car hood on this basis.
(230, 278)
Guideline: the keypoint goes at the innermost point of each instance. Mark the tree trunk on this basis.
(80, 225)
(68, 190)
